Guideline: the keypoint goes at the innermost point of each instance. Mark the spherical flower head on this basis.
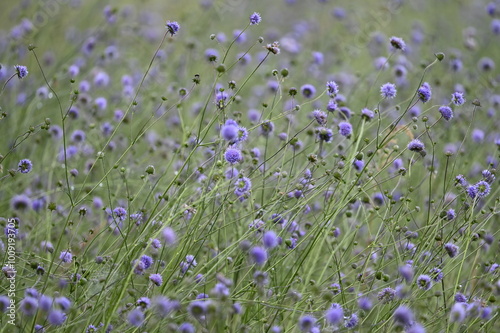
(266, 128)
(483, 188)
(120, 213)
(424, 282)
(169, 236)
(136, 317)
(186, 328)
(198, 308)
(416, 145)
(325, 134)
(258, 255)
(365, 304)
(211, 54)
(386, 295)
(270, 239)
(66, 256)
(56, 318)
(320, 116)
(306, 323)
(334, 314)
(172, 27)
(397, 43)
(156, 279)
(406, 272)
(457, 314)
(458, 98)
(29, 306)
(425, 92)
(143, 302)
(446, 112)
(472, 191)
(460, 298)
(233, 156)
(147, 261)
(255, 19)
(21, 71)
(332, 88)
(24, 166)
(367, 114)
(345, 129)
(388, 90)
(460, 180)
(308, 90)
(488, 176)
(436, 274)
(451, 249)
(403, 316)
(352, 321)
(229, 132)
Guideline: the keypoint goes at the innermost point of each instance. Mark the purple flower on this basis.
(352, 321)
(66, 256)
(472, 191)
(331, 106)
(147, 261)
(325, 134)
(406, 272)
(345, 129)
(21, 71)
(397, 43)
(458, 98)
(120, 213)
(388, 90)
(163, 306)
(136, 317)
(308, 90)
(451, 249)
(270, 239)
(403, 316)
(334, 314)
(186, 328)
(172, 27)
(20, 202)
(266, 128)
(211, 54)
(332, 88)
(198, 309)
(436, 274)
(320, 116)
(446, 112)
(28, 306)
(457, 313)
(364, 303)
(258, 255)
(424, 282)
(416, 145)
(229, 131)
(255, 19)
(367, 114)
(483, 188)
(233, 156)
(24, 166)
(63, 303)
(169, 236)
(386, 295)
(306, 323)
(56, 318)
(460, 298)
(424, 92)
(156, 279)
(143, 303)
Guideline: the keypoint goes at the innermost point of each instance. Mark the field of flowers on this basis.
(249, 166)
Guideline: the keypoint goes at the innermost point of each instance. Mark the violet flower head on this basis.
(397, 43)
(255, 19)
(424, 92)
(21, 71)
(446, 112)
(388, 90)
(24, 166)
(172, 27)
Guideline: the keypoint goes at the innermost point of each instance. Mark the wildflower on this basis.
(334, 314)
(397, 43)
(416, 145)
(24, 166)
(436, 274)
(198, 308)
(211, 54)
(229, 131)
(403, 316)
(425, 92)
(259, 255)
(120, 213)
(388, 90)
(56, 317)
(266, 128)
(169, 236)
(306, 323)
(483, 188)
(424, 282)
(147, 261)
(255, 19)
(406, 272)
(386, 295)
(273, 48)
(331, 106)
(367, 114)
(270, 239)
(460, 180)
(156, 279)
(63, 303)
(352, 321)
(28, 306)
(320, 116)
(458, 98)
(365, 304)
(172, 27)
(332, 88)
(457, 313)
(325, 134)
(20, 202)
(345, 129)
(472, 191)
(233, 156)
(308, 90)
(446, 112)
(136, 317)
(451, 249)
(488, 176)
(186, 328)
(21, 71)
(143, 303)
(163, 306)
(66, 256)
